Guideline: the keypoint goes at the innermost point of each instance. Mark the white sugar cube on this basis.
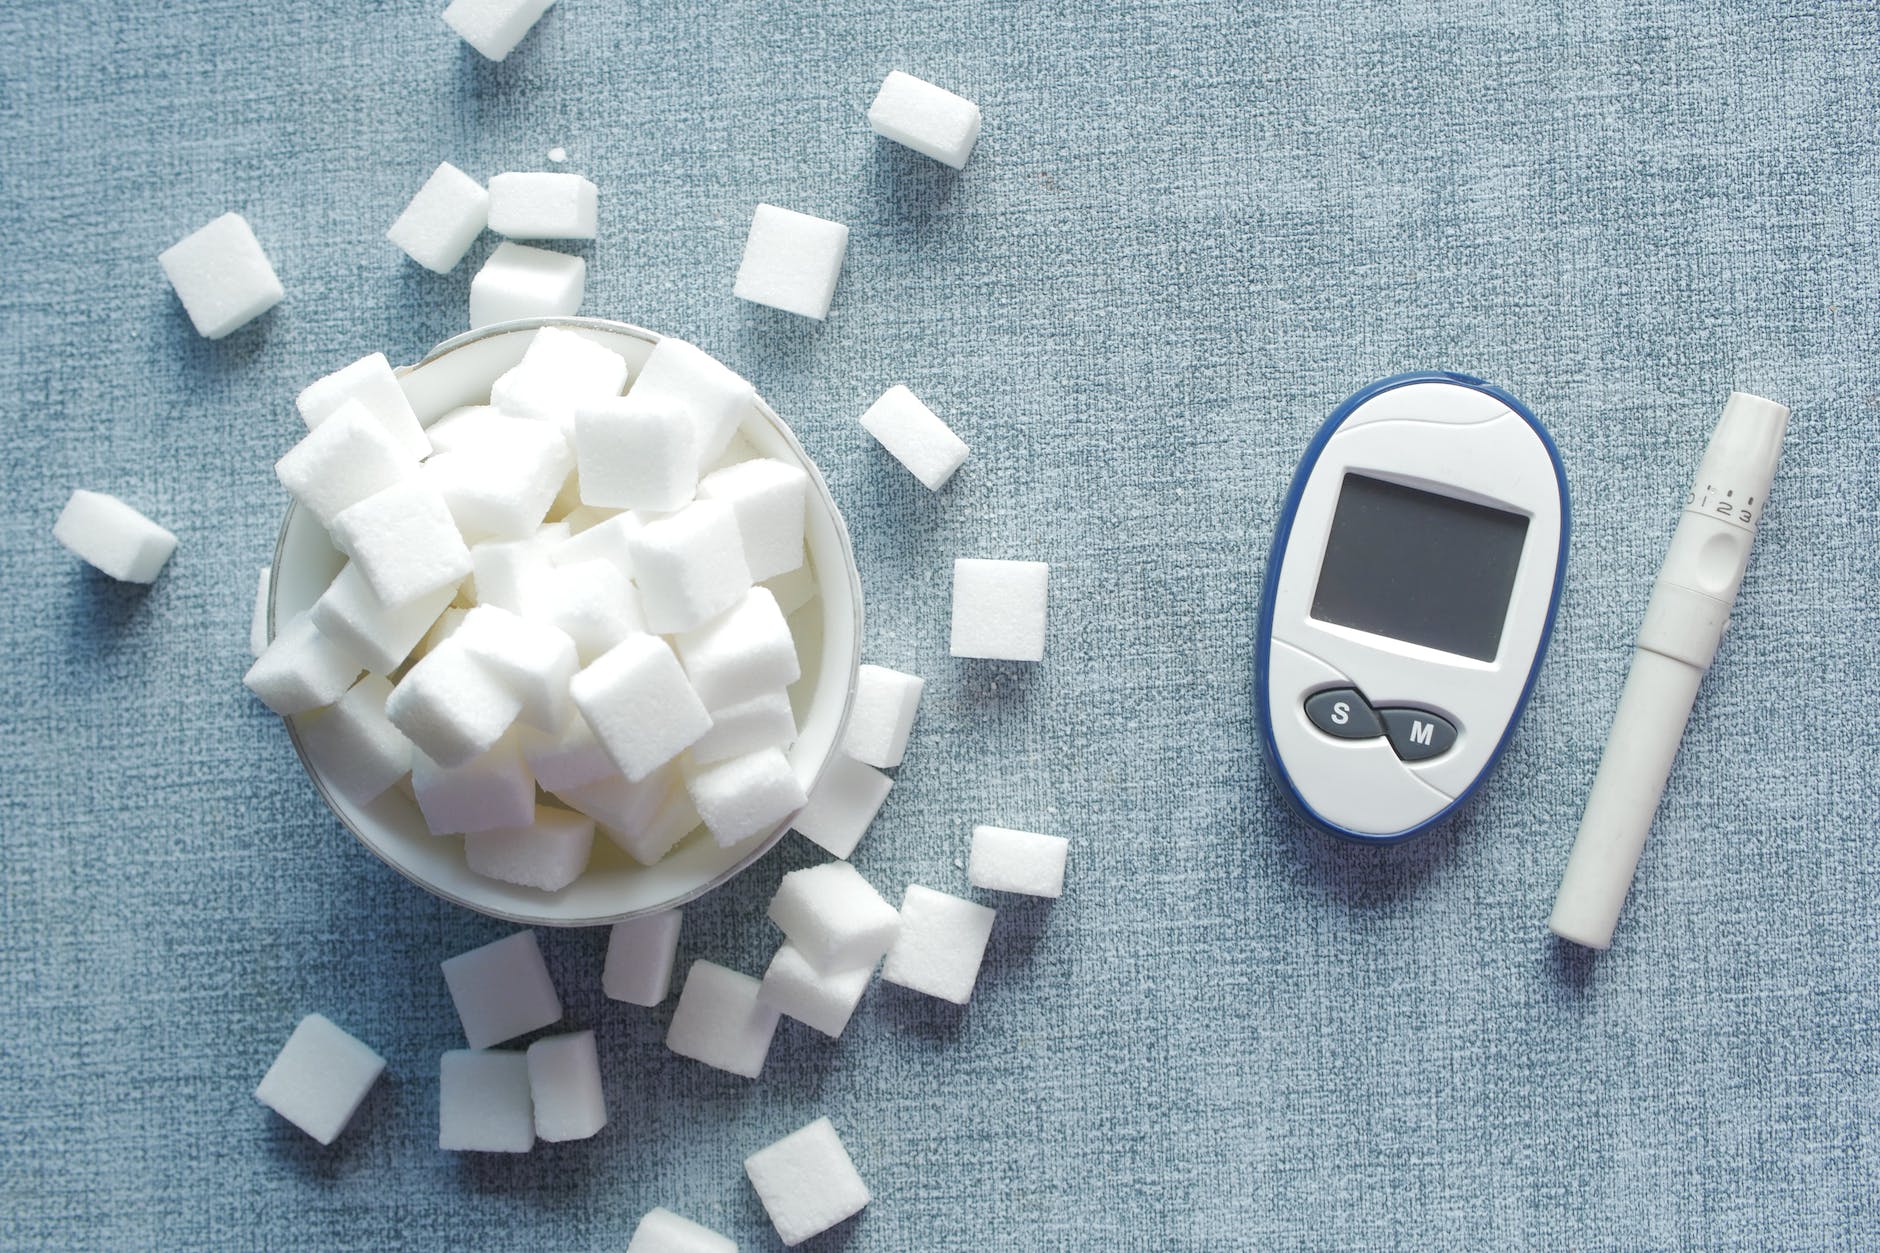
(791, 261)
(369, 383)
(689, 566)
(1017, 861)
(561, 371)
(842, 804)
(833, 916)
(112, 537)
(642, 708)
(763, 722)
(301, 669)
(492, 791)
(743, 797)
(341, 462)
(451, 705)
(566, 758)
(523, 282)
(359, 752)
(882, 716)
(319, 1078)
(662, 1231)
(511, 574)
(998, 609)
(494, 27)
(502, 990)
(635, 457)
(593, 604)
(607, 540)
(534, 659)
(639, 958)
(795, 589)
(931, 120)
(565, 1086)
(222, 276)
(676, 818)
(258, 623)
(679, 377)
(464, 427)
(379, 635)
(625, 808)
(741, 654)
(825, 1001)
(769, 498)
(502, 487)
(442, 220)
(549, 853)
(483, 1102)
(940, 945)
(807, 1182)
(441, 630)
(719, 1021)
(404, 540)
(915, 436)
(543, 206)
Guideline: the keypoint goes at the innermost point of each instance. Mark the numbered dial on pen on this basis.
(1717, 501)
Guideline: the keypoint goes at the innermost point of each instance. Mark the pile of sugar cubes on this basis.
(563, 612)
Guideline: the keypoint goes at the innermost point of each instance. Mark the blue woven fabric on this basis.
(1186, 234)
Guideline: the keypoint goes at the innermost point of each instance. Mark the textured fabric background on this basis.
(1186, 234)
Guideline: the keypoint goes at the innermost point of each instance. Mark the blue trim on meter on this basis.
(1282, 533)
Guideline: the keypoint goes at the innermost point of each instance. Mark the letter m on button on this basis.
(1421, 732)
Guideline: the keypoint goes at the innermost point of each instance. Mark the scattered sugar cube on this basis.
(371, 384)
(662, 1231)
(501, 487)
(791, 261)
(793, 590)
(769, 498)
(494, 27)
(1017, 861)
(452, 706)
(807, 1182)
(112, 537)
(380, 636)
(359, 751)
(490, 792)
(511, 574)
(548, 854)
(607, 540)
(483, 1102)
(689, 566)
(998, 609)
(342, 461)
(825, 1001)
(763, 722)
(534, 659)
(882, 716)
(681, 377)
(642, 708)
(844, 801)
(940, 945)
(625, 808)
(741, 654)
(833, 916)
(676, 818)
(523, 282)
(743, 797)
(502, 990)
(543, 206)
(565, 1086)
(301, 669)
(639, 958)
(222, 276)
(631, 456)
(404, 540)
(319, 1078)
(719, 1021)
(442, 220)
(258, 624)
(915, 436)
(566, 758)
(931, 120)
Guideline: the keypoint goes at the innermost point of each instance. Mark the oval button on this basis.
(1417, 734)
(1343, 713)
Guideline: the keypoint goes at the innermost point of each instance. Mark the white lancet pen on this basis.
(1684, 623)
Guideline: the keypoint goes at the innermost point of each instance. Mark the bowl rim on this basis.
(758, 848)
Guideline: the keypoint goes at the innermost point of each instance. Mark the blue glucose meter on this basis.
(1408, 599)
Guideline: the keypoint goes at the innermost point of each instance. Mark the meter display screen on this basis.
(1419, 567)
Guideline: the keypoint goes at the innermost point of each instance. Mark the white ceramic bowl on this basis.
(828, 631)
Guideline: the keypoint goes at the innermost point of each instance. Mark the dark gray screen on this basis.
(1419, 567)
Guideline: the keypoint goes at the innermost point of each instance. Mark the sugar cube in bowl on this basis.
(827, 633)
